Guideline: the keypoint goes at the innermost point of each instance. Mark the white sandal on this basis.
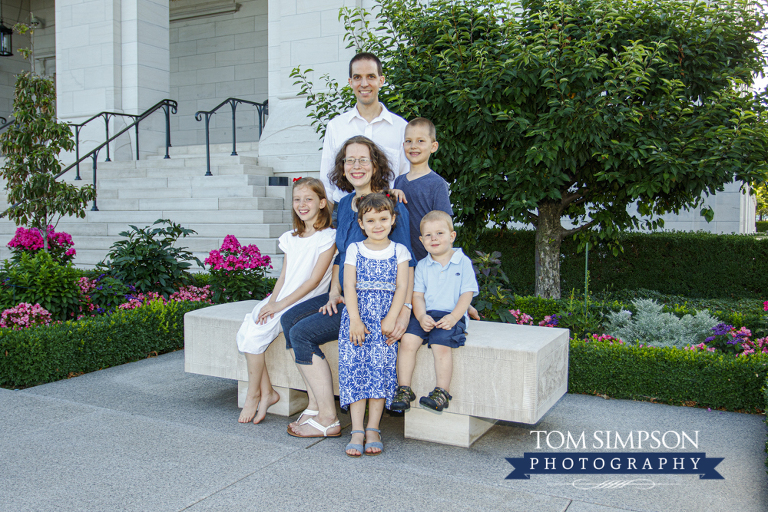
(312, 423)
(309, 413)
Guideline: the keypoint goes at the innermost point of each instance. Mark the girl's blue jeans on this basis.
(305, 328)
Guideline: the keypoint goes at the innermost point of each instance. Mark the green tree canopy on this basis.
(573, 110)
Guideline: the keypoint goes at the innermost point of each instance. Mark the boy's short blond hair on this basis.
(436, 215)
(423, 121)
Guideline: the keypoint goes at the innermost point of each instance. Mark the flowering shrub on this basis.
(141, 299)
(603, 338)
(521, 318)
(549, 321)
(726, 338)
(25, 315)
(700, 346)
(31, 241)
(193, 294)
(101, 295)
(237, 272)
(186, 293)
(757, 346)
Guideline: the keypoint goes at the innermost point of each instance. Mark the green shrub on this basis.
(537, 307)
(38, 279)
(494, 299)
(148, 260)
(669, 375)
(680, 263)
(38, 355)
(761, 226)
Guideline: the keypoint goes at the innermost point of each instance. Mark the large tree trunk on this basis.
(549, 235)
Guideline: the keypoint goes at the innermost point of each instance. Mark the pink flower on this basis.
(25, 315)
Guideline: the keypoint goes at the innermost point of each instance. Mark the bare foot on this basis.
(265, 404)
(372, 437)
(356, 439)
(309, 412)
(249, 409)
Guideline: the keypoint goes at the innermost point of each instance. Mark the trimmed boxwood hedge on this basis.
(682, 263)
(38, 355)
(669, 375)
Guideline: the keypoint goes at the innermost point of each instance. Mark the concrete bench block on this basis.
(504, 372)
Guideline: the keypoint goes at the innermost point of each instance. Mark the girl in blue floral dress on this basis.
(375, 282)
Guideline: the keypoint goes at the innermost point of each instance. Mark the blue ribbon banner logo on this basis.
(579, 463)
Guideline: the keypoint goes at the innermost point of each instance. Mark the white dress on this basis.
(301, 257)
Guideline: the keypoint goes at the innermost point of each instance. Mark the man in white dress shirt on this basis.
(369, 118)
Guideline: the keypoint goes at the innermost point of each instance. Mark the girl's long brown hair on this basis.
(382, 174)
(323, 216)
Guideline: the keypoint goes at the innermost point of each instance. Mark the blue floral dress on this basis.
(369, 371)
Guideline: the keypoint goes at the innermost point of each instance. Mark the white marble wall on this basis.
(304, 33)
(11, 66)
(112, 55)
(215, 57)
(734, 213)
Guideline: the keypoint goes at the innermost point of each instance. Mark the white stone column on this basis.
(112, 55)
(304, 33)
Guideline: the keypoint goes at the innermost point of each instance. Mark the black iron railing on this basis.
(6, 123)
(261, 111)
(168, 106)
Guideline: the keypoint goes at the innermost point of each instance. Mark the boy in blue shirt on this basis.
(424, 189)
(444, 284)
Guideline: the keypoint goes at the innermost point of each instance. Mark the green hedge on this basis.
(668, 375)
(681, 263)
(38, 355)
(762, 226)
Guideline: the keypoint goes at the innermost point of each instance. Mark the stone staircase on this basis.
(236, 200)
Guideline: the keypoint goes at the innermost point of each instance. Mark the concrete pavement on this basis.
(146, 436)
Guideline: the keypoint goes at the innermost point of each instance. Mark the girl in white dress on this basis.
(309, 250)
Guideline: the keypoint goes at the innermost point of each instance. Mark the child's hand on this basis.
(472, 312)
(268, 311)
(399, 195)
(357, 332)
(387, 327)
(427, 323)
(447, 322)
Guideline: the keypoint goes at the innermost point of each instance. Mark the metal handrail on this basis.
(6, 123)
(168, 106)
(261, 109)
(106, 116)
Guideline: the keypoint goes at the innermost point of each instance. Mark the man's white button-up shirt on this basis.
(387, 130)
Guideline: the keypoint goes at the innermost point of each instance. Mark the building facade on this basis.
(126, 55)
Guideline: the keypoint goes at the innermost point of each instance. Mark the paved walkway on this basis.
(148, 437)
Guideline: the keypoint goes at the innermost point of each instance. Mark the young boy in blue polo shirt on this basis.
(444, 284)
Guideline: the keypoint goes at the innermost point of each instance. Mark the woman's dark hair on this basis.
(324, 215)
(382, 174)
(377, 202)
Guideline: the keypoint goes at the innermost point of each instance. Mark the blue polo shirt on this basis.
(442, 285)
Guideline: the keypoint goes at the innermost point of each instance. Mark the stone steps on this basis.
(237, 200)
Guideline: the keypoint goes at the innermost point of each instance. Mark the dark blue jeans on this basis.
(305, 329)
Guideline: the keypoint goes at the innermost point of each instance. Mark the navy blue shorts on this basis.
(453, 338)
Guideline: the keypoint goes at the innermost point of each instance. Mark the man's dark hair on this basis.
(365, 56)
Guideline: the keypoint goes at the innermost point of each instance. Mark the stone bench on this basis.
(504, 372)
